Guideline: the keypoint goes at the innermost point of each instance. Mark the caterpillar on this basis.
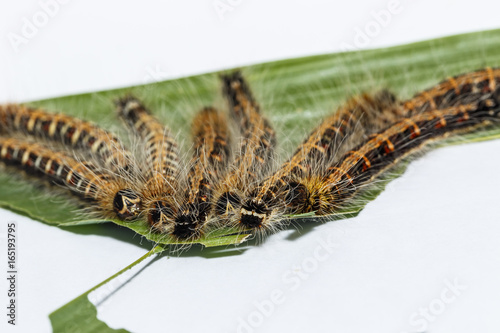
(161, 170)
(326, 193)
(184, 215)
(68, 131)
(256, 147)
(281, 191)
(113, 198)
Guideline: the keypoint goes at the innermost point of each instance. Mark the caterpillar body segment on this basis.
(240, 98)
(258, 138)
(162, 153)
(460, 89)
(352, 123)
(69, 131)
(113, 198)
(256, 151)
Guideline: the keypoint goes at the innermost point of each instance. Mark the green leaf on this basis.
(81, 315)
(78, 315)
(295, 94)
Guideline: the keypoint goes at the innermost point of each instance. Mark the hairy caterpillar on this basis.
(325, 194)
(256, 147)
(160, 173)
(71, 132)
(303, 193)
(211, 156)
(113, 197)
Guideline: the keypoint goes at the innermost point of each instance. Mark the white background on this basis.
(436, 226)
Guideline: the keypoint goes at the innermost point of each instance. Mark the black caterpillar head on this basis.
(254, 214)
(127, 204)
(190, 220)
(227, 204)
(160, 213)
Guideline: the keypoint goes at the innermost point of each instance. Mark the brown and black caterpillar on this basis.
(113, 198)
(184, 213)
(256, 150)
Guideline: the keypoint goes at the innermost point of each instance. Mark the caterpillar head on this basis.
(190, 220)
(160, 215)
(258, 210)
(127, 204)
(254, 214)
(263, 212)
(227, 204)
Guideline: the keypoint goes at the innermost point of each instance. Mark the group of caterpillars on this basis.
(228, 187)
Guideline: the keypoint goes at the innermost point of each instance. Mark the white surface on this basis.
(436, 225)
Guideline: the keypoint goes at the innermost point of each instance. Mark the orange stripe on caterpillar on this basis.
(460, 89)
(240, 98)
